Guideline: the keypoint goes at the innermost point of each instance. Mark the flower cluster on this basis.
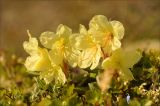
(89, 48)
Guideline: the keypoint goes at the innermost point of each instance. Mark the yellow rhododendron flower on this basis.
(61, 45)
(122, 61)
(91, 51)
(107, 33)
(39, 60)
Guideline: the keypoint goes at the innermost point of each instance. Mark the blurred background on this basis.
(141, 19)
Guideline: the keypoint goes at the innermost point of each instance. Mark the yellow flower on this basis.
(91, 51)
(118, 62)
(122, 61)
(61, 45)
(107, 33)
(40, 61)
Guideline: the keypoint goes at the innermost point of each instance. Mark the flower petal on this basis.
(63, 31)
(118, 29)
(31, 46)
(96, 58)
(71, 55)
(56, 57)
(126, 74)
(83, 30)
(47, 39)
(101, 23)
(108, 63)
(131, 58)
(90, 56)
(116, 44)
(85, 59)
(117, 55)
(39, 61)
(55, 73)
(84, 41)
